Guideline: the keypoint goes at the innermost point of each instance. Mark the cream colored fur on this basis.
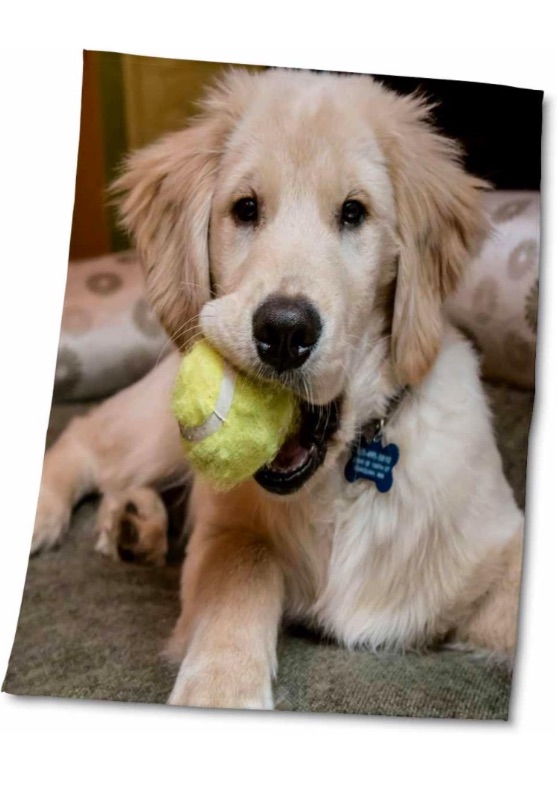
(439, 555)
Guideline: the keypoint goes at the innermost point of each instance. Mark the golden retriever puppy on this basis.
(311, 226)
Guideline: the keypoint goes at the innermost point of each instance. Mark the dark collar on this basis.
(373, 429)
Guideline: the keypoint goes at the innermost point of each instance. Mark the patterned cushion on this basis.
(110, 337)
(497, 305)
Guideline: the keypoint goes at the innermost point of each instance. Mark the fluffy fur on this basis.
(436, 558)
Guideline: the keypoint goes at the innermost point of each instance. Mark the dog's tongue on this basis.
(291, 455)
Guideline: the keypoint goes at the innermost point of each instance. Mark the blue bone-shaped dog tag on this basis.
(372, 462)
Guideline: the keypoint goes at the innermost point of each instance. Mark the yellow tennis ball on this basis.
(231, 424)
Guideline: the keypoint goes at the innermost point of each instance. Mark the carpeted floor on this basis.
(90, 628)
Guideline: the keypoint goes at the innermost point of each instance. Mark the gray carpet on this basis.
(90, 628)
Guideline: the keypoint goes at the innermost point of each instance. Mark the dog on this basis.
(311, 226)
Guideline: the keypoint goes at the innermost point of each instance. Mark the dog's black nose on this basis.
(286, 330)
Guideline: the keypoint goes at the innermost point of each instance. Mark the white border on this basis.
(87, 749)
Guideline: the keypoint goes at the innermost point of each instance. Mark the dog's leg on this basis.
(231, 607)
(492, 625)
(128, 441)
(68, 475)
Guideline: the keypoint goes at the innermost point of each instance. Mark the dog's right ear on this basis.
(164, 196)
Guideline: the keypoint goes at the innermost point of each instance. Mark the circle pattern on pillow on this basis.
(510, 210)
(523, 259)
(104, 283)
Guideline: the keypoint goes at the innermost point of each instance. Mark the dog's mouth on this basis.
(302, 454)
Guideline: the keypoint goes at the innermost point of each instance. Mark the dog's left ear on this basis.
(440, 227)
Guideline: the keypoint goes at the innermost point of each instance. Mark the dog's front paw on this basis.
(132, 527)
(51, 521)
(222, 687)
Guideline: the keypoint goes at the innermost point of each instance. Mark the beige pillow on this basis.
(110, 337)
(497, 303)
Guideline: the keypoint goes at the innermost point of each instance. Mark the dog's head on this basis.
(310, 226)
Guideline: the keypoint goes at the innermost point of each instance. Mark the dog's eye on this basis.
(245, 209)
(352, 213)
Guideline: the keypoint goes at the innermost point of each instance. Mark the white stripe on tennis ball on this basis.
(219, 414)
